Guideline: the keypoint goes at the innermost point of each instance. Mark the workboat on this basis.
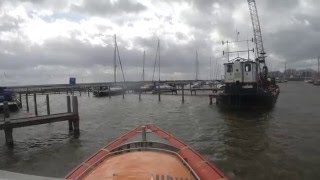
(247, 84)
(9, 96)
(246, 87)
(108, 91)
(147, 152)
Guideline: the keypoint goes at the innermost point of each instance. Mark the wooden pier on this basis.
(71, 116)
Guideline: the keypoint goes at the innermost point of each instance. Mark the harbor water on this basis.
(282, 143)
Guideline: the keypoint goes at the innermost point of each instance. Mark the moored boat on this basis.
(164, 88)
(7, 95)
(146, 152)
(108, 91)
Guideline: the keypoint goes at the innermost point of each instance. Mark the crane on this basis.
(260, 53)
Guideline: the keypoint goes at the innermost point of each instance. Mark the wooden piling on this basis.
(75, 111)
(69, 111)
(182, 93)
(8, 136)
(159, 96)
(123, 92)
(27, 102)
(144, 133)
(20, 99)
(35, 104)
(6, 111)
(48, 104)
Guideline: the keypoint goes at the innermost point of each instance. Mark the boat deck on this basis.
(141, 165)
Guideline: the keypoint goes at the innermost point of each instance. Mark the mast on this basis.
(115, 60)
(143, 61)
(159, 58)
(197, 66)
(210, 69)
(285, 69)
(318, 66)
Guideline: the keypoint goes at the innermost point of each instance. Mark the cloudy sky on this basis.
(46, 41)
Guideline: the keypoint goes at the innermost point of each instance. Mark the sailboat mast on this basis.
(197, 66)
(115, 59)
(318, 66)
(143, 61)
(159, 57)
(210, 69)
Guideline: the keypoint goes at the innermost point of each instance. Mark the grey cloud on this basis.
(105, 7)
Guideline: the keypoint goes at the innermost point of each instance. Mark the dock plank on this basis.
(30, 121)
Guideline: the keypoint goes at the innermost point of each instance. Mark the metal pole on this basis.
(182, 93)
(27, 102)
(48, 104)
(35, 104)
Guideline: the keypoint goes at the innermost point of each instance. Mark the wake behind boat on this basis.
(146, 152)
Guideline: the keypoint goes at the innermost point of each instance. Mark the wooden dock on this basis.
(71, 116)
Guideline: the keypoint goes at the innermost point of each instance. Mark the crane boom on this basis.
(260, 53)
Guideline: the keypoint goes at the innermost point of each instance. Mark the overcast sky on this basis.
(46, 41)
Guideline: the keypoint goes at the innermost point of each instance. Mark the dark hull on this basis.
(236, 97)
(13, 106)
(243, 101)
(108, 93)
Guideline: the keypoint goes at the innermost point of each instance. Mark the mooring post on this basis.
(144, 133)
(27, 102)
(8, 136)
(123, 92)
(69, 111)
(75, 109)
(109, 90)
(182, 93)
(48, 104)
(35, 104)
(159, 96)
(6, 111)
(20, 99)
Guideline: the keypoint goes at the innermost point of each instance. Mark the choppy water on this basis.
(282, 143)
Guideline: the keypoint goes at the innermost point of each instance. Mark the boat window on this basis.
(247, 67)
(229, 68)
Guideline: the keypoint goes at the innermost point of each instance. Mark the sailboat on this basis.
(115, 89)
(158, 86)
(317, 80)
(145, 87)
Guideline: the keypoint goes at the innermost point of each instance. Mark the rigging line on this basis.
(124, 80)
(115, 60)
(155, 63)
